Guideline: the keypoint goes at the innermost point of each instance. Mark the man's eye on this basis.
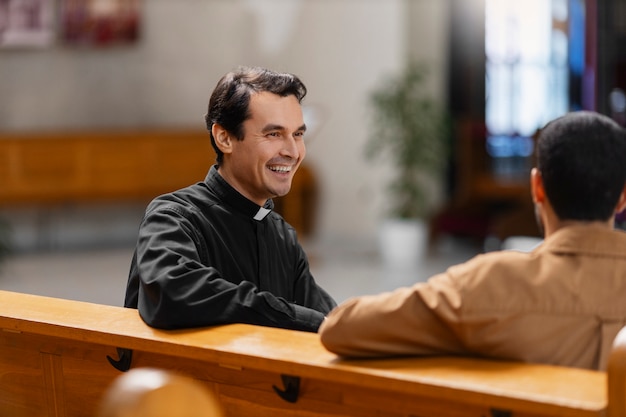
(273, 134)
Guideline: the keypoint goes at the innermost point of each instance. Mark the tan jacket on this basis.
(562, 304)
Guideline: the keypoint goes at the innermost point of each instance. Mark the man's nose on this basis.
(292, 147)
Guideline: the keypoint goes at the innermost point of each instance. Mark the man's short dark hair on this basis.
(582, 160)
(229, 102)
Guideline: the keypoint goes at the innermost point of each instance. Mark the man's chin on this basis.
(281, 192)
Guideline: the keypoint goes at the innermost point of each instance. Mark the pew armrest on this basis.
(616, 371)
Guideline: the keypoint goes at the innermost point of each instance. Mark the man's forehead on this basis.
(269, 97)
(272, 108)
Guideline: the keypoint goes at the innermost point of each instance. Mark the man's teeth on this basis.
(281, 169)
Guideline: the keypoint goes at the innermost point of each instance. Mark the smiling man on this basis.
(215, 252)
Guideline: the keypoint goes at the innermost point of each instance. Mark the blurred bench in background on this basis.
(488, 198)
(69, 167)
(52, 169)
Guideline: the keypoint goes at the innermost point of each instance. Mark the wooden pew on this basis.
(151, 392)
(56, 359)
(100, 166)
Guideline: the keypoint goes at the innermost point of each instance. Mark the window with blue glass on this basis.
(535, 60)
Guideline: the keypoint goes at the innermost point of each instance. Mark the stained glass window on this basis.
(527, 75)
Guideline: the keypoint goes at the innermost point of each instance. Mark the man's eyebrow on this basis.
(270, 127)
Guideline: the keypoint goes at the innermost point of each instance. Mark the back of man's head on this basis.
(582, 160)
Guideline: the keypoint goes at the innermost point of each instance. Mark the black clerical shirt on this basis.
(206, 255)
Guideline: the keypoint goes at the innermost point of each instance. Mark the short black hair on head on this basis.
(582, 160)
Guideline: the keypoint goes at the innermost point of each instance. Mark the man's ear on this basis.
(222, 138)
(536, 186)
(621, 204)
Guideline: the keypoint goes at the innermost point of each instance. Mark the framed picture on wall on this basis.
(26, 23)
(99, 23)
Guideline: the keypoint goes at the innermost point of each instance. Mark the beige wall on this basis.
(340, 48)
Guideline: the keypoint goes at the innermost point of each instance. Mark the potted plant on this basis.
(409, 128)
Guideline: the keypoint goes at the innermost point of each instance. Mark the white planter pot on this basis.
(403, 242)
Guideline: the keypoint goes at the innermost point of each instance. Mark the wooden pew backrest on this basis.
(53, 362)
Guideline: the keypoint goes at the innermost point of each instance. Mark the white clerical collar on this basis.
(260, 215)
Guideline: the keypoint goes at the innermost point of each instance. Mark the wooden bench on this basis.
(57, 358)
(91, 166)
(112, 166)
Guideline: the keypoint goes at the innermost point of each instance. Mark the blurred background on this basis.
(102, 105)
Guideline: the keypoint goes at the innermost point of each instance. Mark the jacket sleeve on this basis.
(176, 289)
(417, 320)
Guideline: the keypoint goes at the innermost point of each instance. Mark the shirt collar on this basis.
(591, 239)
(235, 199)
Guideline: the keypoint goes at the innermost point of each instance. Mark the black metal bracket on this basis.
(125, 358)
(496, 412)
(292, 388)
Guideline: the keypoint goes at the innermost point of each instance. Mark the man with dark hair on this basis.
(562, 303)
(215, 252)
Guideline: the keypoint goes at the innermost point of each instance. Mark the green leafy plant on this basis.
(409, 127)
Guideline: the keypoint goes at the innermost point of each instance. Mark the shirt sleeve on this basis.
(175, 289)
(418, 320)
